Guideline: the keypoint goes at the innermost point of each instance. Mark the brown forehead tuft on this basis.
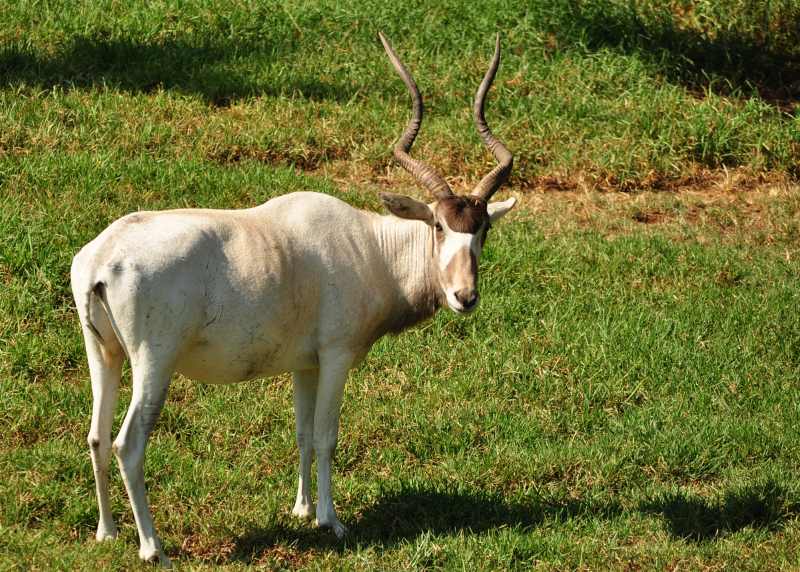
(463, 214)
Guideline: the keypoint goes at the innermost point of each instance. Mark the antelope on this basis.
(303, 283)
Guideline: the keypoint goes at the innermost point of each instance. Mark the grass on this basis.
(629, 397)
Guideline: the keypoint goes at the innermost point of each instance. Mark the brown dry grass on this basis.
(730, 205)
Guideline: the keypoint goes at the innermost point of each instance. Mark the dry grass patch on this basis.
(726, 206)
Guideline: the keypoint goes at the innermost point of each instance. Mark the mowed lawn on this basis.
(626, 397)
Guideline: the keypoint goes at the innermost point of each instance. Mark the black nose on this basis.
(467, 297)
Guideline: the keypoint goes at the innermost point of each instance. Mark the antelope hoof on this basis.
(155, 557)
(337, 527)
(106, 533)
(304, 511)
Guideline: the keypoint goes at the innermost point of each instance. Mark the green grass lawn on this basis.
(631, 393)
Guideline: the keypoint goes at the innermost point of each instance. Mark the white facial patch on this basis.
(454, 242)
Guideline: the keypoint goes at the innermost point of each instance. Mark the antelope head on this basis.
(460, 222)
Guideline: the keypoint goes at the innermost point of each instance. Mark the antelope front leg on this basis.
(305, 396)
(333, 374)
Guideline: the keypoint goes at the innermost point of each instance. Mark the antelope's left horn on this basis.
(497, 176)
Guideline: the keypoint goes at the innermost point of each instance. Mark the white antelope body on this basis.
(303, 283)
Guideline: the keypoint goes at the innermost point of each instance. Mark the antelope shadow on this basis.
(766, 506)
(219, 71)
(415, 511)
(412, 512)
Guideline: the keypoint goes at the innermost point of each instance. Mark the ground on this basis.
(629, 397)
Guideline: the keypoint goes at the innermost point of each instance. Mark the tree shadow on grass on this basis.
(220, 72)
(766, 62)
(692, 517)
(412, 512)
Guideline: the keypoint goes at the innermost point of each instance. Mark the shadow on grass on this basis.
(221, 73)
(730, 59)
(695, 518)
(412, 512)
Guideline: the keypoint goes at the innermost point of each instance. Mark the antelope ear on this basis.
(408, 208)
(499, 209)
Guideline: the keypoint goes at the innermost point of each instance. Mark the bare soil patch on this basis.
(304, 159)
